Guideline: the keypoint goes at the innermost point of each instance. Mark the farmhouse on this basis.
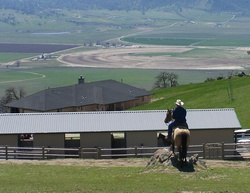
(107, 95)
(97, 129)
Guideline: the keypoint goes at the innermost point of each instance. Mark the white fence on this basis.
(206, 151)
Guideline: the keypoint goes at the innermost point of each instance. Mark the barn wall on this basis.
(49, 140)
(199, 137)
(94, 140)
(148, 139)
(141, 139)
(10, 140)
(88, 108)
(144, 99)
(90, 140)
(129, 104)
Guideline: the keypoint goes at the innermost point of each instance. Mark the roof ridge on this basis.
(212, 109)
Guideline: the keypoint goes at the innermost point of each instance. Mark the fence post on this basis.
(80, 152)
(136, 151)
(43, 153)
(6, 152)
(99, 155)
(204, 150)
(222, 151)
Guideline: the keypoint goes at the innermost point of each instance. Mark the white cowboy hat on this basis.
(179, 102)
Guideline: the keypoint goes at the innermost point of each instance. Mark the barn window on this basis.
(118, 140)
(72, 140)
(26, 140)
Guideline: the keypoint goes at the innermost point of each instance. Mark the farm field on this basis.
(130, 50)
(121, 175)
(113, 27)
(153, 27)
(134, 66)
(33, 48)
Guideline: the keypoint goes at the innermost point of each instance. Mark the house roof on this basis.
(112, 121)
(100, 92)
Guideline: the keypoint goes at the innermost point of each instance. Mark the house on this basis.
(97, 129)
(107, 95)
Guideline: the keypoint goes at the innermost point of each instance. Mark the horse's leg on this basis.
(180, 155)
(184, 147)
(173, 146)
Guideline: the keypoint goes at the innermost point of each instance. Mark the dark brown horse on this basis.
(180, 138)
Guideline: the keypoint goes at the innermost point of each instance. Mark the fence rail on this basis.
(206, 151)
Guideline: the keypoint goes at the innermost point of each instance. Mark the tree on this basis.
(165, 79)
(11, 94)
(172, 78)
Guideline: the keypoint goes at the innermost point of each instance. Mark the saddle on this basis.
(181, 126)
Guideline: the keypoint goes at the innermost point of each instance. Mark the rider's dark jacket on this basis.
(179, 115)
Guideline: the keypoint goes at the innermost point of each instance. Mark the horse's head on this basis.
(168, 116)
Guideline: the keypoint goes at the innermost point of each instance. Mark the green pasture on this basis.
(204, 52)
(227, 93)
(189, 41)
(51, 74)
(12, 57)
(161, 41)
(214, 52)
(207, 52)
(32, 178)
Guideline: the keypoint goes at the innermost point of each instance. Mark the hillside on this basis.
(213, 94)
(211, 6)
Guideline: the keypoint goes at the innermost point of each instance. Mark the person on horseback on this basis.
(179, 116)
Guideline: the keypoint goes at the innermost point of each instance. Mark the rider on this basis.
(179, 116)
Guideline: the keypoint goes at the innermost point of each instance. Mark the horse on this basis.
(180, 138)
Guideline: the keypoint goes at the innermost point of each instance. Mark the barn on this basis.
(98, 128)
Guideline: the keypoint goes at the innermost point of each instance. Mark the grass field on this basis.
(9, 57)
(241, 42)
(213, 94)
(46, 75)
(20, 178)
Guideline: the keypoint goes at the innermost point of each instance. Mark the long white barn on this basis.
(95, 128)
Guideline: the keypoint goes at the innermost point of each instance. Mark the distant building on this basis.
(107, 95)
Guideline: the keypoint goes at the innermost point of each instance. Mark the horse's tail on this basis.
(184, 147)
